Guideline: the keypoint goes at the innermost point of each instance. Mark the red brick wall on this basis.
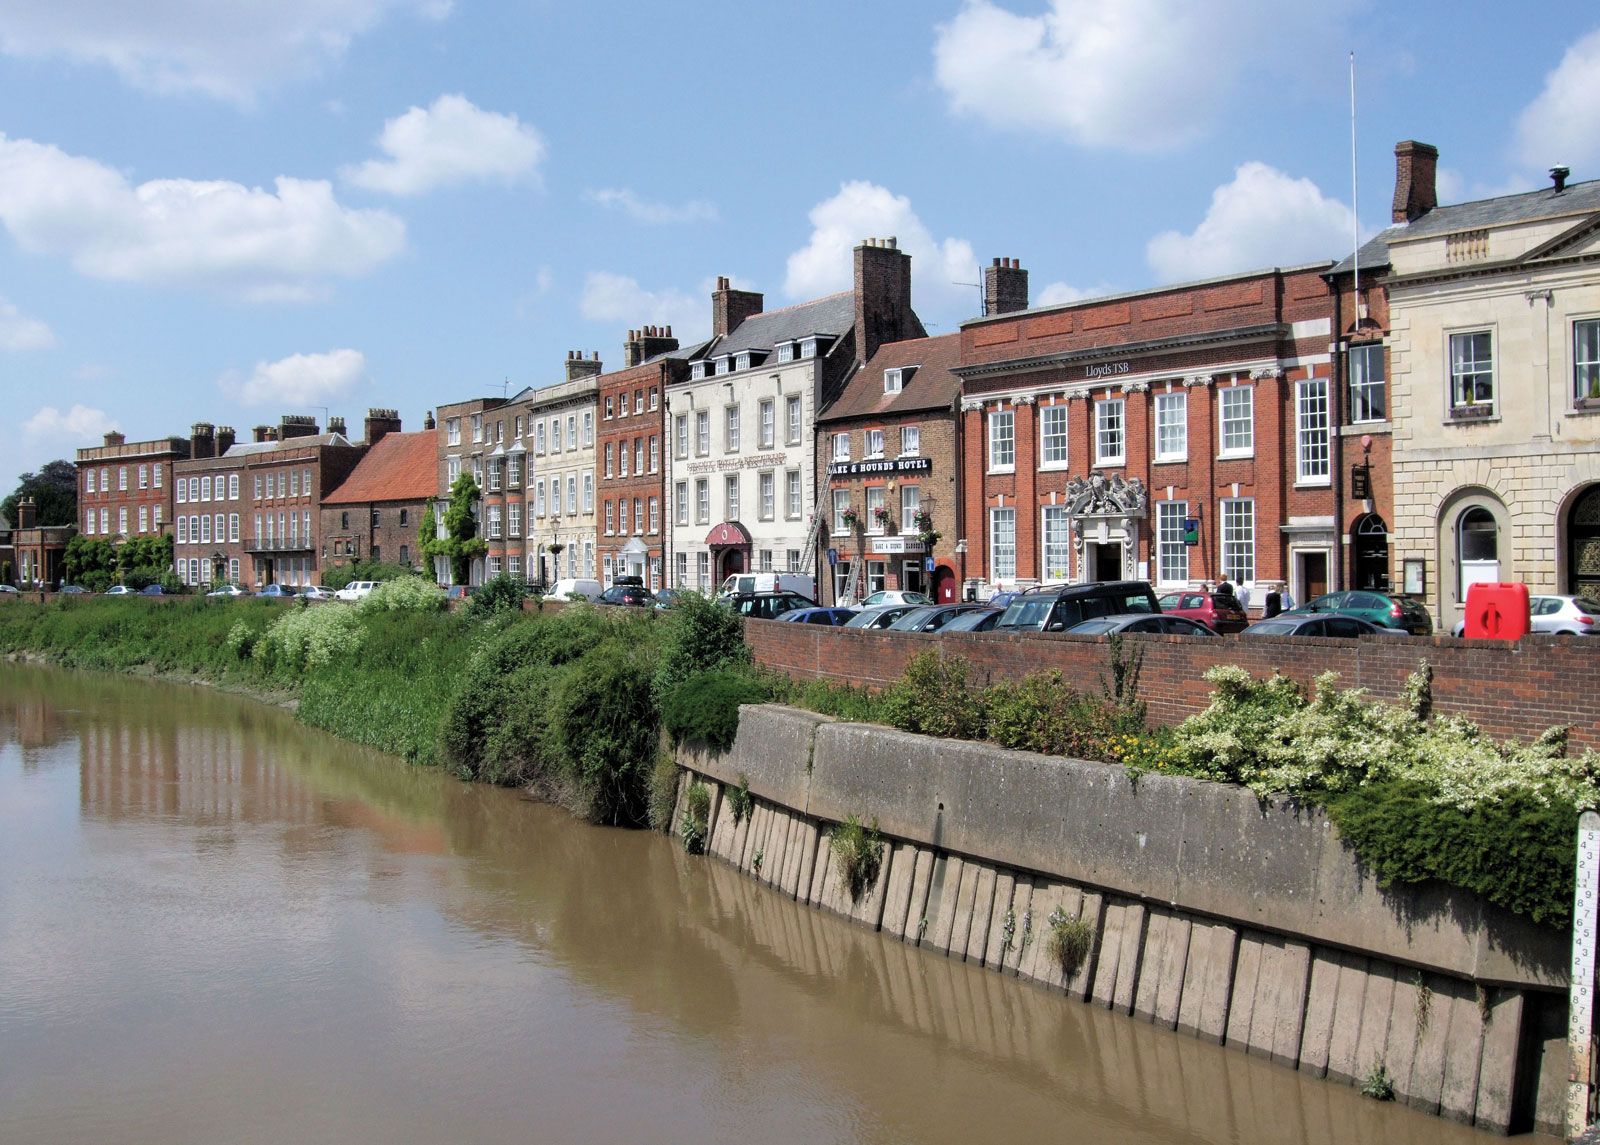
(1509, 689)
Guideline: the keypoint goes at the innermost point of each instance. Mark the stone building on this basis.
(891, 456)
(1494, 358)
(1176, 435)
(251, 513)
(741, 427)
(125, 488)
(375, 513)
(631, 469)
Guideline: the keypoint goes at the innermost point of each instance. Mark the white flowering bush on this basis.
(308, 638)
(404, 594)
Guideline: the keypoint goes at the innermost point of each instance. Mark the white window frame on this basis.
(876, 499)
(1369, 396)
(1053, 441)
(702, 500)
(1172, 426)
(794, 418)
(893, 381)
(730, 429)
(767, 495)
(1236, 421)
(841, 447)
(1480, 368)
(1003, 544)
(680, 495)
(1055, 543)
(767, 417)
(1111, 430)
(793, 495)
(1172, 555)
(1236, 537)
(1312, 432)
(702, 433)
(840, 502)
(1002, 435)
(872, 444)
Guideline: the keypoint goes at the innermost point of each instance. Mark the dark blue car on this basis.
(836, 617)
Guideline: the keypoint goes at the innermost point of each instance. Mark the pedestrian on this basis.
(1244, 597)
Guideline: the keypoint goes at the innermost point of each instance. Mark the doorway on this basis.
(1370, 554)
(1583, 545)
(944, 585)
(1105, 561)
(1311, 575)
(731, 562)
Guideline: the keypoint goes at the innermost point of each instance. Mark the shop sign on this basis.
(881, 468)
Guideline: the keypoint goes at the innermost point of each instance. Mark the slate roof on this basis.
(245, 448)
(1545, 203)
(931, 387)
(831, 315)
(401, 467)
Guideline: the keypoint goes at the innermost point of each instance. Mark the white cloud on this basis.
(79, 424)
(1562, 125)
(644, 211)
(1137, 75)
(223, 50)
(447, 143)
(611, 297)
(19, 332)
(1262, 218)
(1059, 293)
(279, 244)
(298, 380)
(865, 210)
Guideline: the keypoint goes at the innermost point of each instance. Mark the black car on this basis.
(1307, 624)
(768, 605)
(630, 594)
(1057, 608)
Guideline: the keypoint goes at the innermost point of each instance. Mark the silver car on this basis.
(1556, 616)
(880, 617)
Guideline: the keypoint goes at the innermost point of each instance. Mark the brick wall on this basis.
(1509, 689)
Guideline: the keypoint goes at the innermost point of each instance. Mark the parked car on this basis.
(1141, 623)
(980, 619)
(895, 596)
(317, 592)
(880, 617)
(74, 590)
(635, 595)
(741, 584)
(628, 578)
(152, 590)
(227, 590)
(1217, 612)
(11, 590)
(1056, 608)
(356, 590)
(768, 605)
(837, 617)
(119, 590)
(460, 591)
(1556, 616)
(671, 597)
(1303, 623)
(932, 617)
(1387, 610)
(1001, 600)
(569, 587)
(285, 592)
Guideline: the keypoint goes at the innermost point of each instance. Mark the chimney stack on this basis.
(428, 422)
(1415, 167)
(381, 422)
(115, 438)
(292, 425)
(203, 440)
(647, 342)
(27, 513)
(883, 296)
(729, 307)
(1558, 177)
(1005, 287)
(580, 367)
(336, 424)
(262, 433)
(225, 439)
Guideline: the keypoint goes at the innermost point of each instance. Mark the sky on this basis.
(230, 212)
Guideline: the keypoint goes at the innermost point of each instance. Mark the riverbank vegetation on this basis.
(573, 703)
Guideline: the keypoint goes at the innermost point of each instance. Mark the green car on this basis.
(1386, 610)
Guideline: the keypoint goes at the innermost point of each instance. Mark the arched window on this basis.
(1477, 548)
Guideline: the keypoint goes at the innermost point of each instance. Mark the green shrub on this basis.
(1068, 941)
(1041, 713)
(695, 825)
(699, 635)
(403, 594)
(1378, 1085)
(858, 851)
(242, 639)
(603, 727)
(337, 576)
(498, 595)
(933, 698)
(305, 638)
(704, 708)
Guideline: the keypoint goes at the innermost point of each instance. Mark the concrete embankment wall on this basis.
(1215, 915)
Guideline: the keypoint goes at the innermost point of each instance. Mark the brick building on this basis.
(30, 552)
(891, 452)
(1179, 434)
(375, 513)
(250, 513)
(741, 428)
(465, 436)
(125, 487)
(631, 468)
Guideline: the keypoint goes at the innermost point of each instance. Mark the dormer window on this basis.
(893, 381)
(727, 364)
(697, 370)
(742, 362)
(785, 351)
(808, 347)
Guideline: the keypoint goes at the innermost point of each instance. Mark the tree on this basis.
(54, 490)
(90, 563)
(461, 542)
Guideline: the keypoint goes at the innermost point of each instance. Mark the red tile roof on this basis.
(401, 467)
(931, 387)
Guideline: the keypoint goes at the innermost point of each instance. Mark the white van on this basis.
(356, 590)
(569, 587)
(741, 584)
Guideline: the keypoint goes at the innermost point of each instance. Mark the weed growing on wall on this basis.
(858, 849)
(695, 824)
(1068, 941)
(663, 790)
(933, 698)
(739, 801)
(1378, 1085)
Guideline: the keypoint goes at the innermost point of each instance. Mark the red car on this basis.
(1222, 613)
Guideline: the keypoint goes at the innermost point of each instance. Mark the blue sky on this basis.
(228, 212)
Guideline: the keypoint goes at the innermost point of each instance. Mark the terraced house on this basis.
(125, 488)
(741, 427)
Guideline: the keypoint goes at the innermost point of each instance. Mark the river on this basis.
(217, 925)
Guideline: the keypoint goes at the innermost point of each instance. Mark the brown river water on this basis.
(219, 926)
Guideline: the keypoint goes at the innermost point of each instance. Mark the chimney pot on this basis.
(1558, 176)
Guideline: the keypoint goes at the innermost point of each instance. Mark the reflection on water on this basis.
(216, 924)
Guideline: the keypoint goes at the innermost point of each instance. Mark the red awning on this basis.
(727, 533)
